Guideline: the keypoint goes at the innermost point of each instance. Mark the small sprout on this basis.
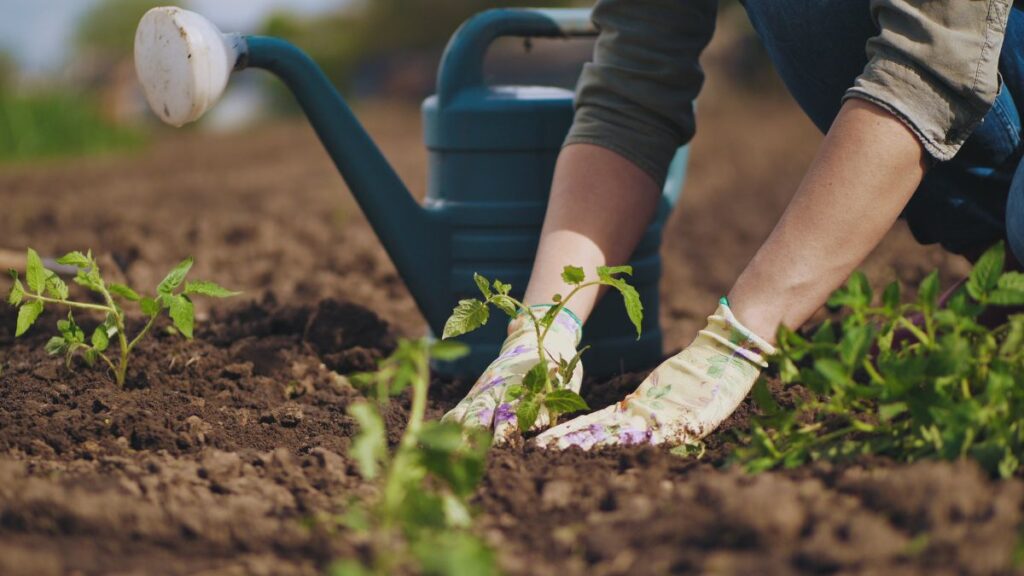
(425, 485)
(902, 380)
(544, 385)
(43, 286)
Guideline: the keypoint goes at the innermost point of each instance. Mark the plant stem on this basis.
(394, 491)
(69, 303)
(142, 334)
(122, 367)
(109, 362)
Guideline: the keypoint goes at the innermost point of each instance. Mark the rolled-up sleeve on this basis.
(636, 97)
(934, 64)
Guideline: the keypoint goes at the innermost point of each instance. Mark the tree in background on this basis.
(107, 32)
(103, 64)
(8, 72)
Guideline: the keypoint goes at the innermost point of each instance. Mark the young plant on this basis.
(544, 385)
(43, 287)
(421, 518)
(905, 381)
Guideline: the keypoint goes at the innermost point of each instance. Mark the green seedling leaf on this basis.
(502, 288)
(527, 413)
(467, 316)
(483, 284)
(549, 316)
(891, 297)
(175, 277)
(536, 378)
(55, 287)
(887, 412)
(448, 351)
(56, 346)
(514, 392)
(566, 369)
(17, 290)
(573, 275)
(76, 259)
(1011, 281)
(986, 272)
(27, 316)
(455, 553)
(90, 279)
(565, 402)
(833, 371)
(35, 273)
(124, 292)
(634, 308)
(149, 306)
(100, 340)
(455, 455)
(208, 289)
(506, 304)
(856, 293)
(370, 447)
(70, 330)
(182, 312)
(928, 292)
(1006, 297)
(763, 398)
(606, 272)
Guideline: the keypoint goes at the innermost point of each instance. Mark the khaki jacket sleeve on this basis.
(636, 97)
(934, 64)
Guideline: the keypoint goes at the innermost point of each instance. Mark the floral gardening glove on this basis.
(486, 405)
(684, 399)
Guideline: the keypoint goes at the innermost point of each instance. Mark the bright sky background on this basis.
(37, 32)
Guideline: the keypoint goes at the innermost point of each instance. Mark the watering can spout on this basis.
(183, 62)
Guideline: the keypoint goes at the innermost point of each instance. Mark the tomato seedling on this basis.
(44, 287)
(545, 384)
(421, 518)
(903, 380)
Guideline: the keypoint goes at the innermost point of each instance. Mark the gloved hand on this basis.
(486, 406)
(684, 399)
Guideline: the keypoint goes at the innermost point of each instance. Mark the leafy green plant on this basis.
(58, 123)
(903, 380)
(545, 385)
(421, 517)
(44, 287)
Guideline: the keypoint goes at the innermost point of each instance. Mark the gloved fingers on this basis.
(585, 431)
(506, 425)
(474, 411)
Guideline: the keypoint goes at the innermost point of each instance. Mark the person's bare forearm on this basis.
(867, 168)
(600, 206)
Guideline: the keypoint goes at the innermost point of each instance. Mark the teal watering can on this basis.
(492, 153)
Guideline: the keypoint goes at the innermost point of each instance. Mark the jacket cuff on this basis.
(630, 135)
(941, 119)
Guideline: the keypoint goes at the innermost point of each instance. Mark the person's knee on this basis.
(817, 47)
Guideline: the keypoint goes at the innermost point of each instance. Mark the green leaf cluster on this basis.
(44, 287)
(421, 518)
(903, 380)
(546, 384)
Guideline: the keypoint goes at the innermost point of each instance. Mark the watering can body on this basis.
(492, 152)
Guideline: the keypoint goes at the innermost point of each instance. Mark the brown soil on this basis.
(220, 451)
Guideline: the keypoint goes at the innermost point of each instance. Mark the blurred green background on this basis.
(82, 96)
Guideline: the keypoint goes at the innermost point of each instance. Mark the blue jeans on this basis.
(965, 204)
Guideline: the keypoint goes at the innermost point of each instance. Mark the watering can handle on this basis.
(463, 61)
